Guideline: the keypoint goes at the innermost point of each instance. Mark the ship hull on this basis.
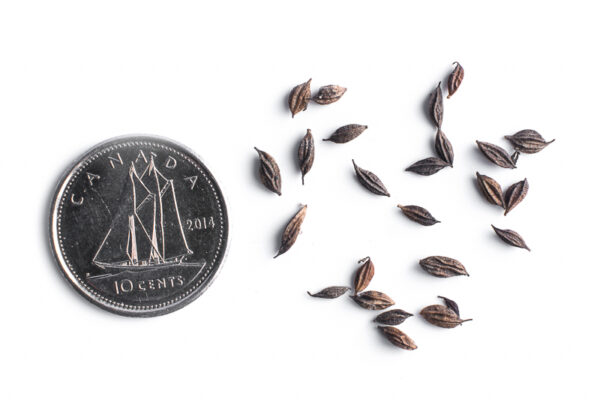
(115, 269)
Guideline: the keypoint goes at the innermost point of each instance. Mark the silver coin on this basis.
(139, 226)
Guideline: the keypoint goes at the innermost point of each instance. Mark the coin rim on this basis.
(70, 276)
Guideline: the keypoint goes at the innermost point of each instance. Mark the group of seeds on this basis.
(447, 315)
(444, 316)
(526, 141)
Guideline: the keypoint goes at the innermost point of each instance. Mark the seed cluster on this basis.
(446, 316)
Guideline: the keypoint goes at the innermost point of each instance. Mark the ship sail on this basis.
(147, 217)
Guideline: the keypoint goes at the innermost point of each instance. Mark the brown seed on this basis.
(528, 141)
(428, 166)
(299, 97)
(443, 147)
(269, 172)
(397, 337)
(511, 237)
(364, 274)
(455, 79)
(332, 292)
(291, 231)
(306, 153)
(373, 300)
(346, 133)
(451, 304)
(329, 94)
(496, 154)
(490, 189)
(515, 194)
(419, 215)
(392, 317)
(442, 316)
(370, 181)
(443, 267)
(436, 104)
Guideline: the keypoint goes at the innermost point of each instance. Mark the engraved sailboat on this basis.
(146, 232)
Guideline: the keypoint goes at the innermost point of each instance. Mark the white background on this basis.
(216, 78)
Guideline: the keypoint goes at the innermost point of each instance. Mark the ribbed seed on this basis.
(528, 141)
(428, 166)
(443, 147)
(291, 231)
(442, 316)
(346, 133)
(437, 106)
(329, 94)
(515, 194)
(364, 274)
(332, 292)
(418, 215)
(269, 172)
(490, 189)
(397, 337)
(306, 153)
(455, 79)
(373, 300)
(392, 317)
(443, 267)
(496, 154)
(511, 237)
(299, 97)
(370, 181)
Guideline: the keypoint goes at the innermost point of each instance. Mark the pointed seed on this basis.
(496, 154)
(428, 166)
(306, 153)
(418, 215)
(373, 300)
(442, 316)
(490, 189)
(370, 181)
(397, 337)
(299, 97)
(511, 237)
(291, 231)
(346, 133)
(364, 274)
(455, 79)
(443, 147)
(269, 172)
(443, 267)
(528, 141)
(515, 194)
(329, 94)
(332, 292)
(392, 317)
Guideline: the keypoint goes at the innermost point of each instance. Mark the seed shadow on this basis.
(285, 105)
(294, 154)
(421, 270)
(426, 104)
(476, 188)
(480, 157)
